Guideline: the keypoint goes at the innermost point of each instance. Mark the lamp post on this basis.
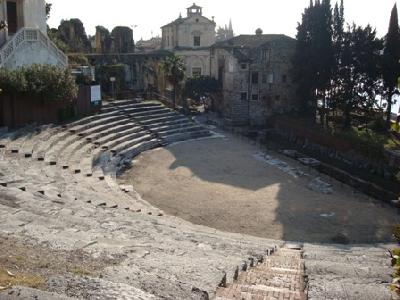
(112, 79)
(133, 39)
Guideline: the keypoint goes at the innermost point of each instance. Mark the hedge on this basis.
(39, 82)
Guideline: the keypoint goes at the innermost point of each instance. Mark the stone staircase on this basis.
(31, 46)
(279, 275)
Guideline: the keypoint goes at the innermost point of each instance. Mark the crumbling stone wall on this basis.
(122, 38)
(72, 33)
(142, 71)
(103, 40)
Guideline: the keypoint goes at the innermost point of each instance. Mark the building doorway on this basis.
(12, 18)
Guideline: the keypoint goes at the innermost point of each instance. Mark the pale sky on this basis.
(273, 16)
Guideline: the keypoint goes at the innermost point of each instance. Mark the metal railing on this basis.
(29, 35)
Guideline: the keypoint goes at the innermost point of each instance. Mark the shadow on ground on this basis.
(219, 183)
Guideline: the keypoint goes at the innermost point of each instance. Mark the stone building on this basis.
(255, 71)
(150, 45)
(191, 38)
(24, 41)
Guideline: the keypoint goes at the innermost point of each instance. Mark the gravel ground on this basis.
(222, 183)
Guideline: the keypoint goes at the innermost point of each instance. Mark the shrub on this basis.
(12, 82)
(395, 255)
(39, 81)
(78, 59)
(82, 79)
(379, 125)
(396, 233)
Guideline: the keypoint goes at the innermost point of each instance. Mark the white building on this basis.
(191, 38)
(24, 41)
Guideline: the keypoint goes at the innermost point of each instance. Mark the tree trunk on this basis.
(389, 110)
(174, 98)
(346, 118)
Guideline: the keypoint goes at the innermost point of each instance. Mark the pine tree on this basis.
(391, 57)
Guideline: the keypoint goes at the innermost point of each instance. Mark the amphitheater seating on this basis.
(77, 163)
(79, 160)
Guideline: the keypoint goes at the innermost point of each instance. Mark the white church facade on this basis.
(24, 40)
(191, 38)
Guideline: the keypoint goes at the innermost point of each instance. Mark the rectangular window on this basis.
(271, 78)
(196, 72)
(196, 41)
(243, 96)
(266, 55)
(264, 78)
(254, 97)
(284, 78)
(243, 66)
(254, 78)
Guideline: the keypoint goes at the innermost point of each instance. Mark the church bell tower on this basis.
(194, 10)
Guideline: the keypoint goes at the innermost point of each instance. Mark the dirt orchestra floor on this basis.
(221, 184)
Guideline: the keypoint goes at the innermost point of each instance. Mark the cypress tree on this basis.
(302, 61)
(338, 29)
(391, 57)
(314, 58)
(338, 44)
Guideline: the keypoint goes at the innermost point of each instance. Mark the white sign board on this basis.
(95, 93)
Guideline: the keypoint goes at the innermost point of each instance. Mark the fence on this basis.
(20, 110)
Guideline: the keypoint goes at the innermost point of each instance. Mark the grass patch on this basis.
(28, 280)
(78, 270)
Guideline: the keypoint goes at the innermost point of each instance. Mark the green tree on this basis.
(391, 65)
(202, 86)
(48, 9)
(338, 46)
(54, 36)
(174, 70)
(302, 62)
(356, 82)
(365, 71)
(367, 67)
(314, 58)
